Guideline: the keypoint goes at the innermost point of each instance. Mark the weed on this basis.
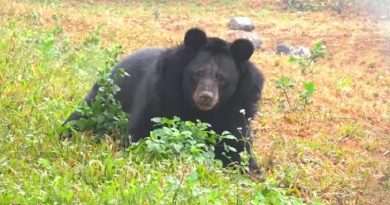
(351, 131)
(287, 101)
(180, 139)
(104, 115)
(318, 51)
(285, 84)
(344, 84)
(306, 95)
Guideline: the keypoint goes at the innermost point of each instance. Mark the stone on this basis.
(284, 49)
(255, 39)
(241, 23)
(302, 52)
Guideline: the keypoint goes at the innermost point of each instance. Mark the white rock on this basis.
(233, 35)
(301, 51)
(284, 49)
(241, 23)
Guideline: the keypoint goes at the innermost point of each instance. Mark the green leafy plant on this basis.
(174, 138)
(93, 38)
(271, 193)
(286, 85)
(285, 100)
(306, 95)
(344, 84)
(104, 115)
(49, 47)
(318, 51)
(89, 56)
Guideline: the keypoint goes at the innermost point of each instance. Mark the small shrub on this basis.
(104, 115)
(287, 101)
(306, 94)
(174, 138)
(285, 84)
(318, 51)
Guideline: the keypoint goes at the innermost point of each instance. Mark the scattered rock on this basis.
(232, 35)
(241, 23)
(284, 49)
(302, 52)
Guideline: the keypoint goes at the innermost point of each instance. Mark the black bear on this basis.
(205, 78)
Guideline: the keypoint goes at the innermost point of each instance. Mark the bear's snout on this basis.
(206, 99)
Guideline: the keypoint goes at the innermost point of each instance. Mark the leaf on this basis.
(228, 135)
(318, 51)
(293, 59)
(157, 120)
(44, 163)
(177, 147)
(232, 149)
(100, 119)
(195, 150)
(309, 87)
(284, 82)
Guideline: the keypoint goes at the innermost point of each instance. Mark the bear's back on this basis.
(138, 65)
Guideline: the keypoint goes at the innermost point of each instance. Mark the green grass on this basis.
(43, 76)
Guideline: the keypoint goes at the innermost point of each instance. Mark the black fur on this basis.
(163, 83)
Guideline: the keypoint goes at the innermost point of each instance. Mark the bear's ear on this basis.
(242, 50)
(195, 38)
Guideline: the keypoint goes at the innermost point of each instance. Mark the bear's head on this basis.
(212, 76)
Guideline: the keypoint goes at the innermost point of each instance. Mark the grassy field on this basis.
(335, 150)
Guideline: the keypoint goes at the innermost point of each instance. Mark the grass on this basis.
(336, 150)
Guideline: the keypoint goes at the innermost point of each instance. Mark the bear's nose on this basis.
(206, 97)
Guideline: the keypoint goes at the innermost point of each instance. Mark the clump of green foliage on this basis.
(104, 115)
(174, 138)
(174, 165)
(318, 51)
(191, 144)
(286, 87)
(287, 100)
